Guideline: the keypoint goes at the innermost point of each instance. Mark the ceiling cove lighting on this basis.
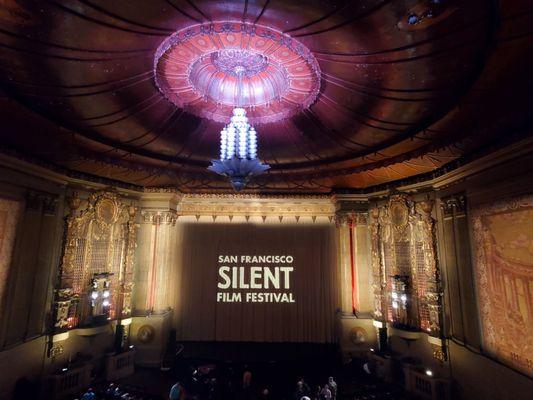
(238, 139)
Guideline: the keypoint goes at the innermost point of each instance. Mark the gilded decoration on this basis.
(399, 213)
(378, 276)
(503, 242)
(100, 240)
(405, 273)
(256, 205)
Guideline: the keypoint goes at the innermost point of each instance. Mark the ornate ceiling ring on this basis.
(195, 68)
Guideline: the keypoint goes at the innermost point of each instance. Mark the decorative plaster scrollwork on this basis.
(378, 281)
(99, 239)
(403, 243)
(399, 213)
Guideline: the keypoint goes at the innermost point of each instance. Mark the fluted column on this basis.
(155, 236)
(356, 296)
(345, 262)
(354, 321)
(361, 250)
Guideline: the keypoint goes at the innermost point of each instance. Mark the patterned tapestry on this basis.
(9, 214)
(503, 237)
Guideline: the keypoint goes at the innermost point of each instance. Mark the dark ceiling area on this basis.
(405, 88)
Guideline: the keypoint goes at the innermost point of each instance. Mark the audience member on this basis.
(332, 387)
(177, 392)
(325, 393)
(246, 377)
(89, 395)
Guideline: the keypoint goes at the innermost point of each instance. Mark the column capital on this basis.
(159, 217)
(351, 218)
(455, 203)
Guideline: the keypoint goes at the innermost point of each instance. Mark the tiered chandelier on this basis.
(238, 139)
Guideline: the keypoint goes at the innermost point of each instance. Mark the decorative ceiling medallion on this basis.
(233, 62)
(196, 68)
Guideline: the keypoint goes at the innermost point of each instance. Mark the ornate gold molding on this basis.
(403, 246)
(99, 239)
(253, 205)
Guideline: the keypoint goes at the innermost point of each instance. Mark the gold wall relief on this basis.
(404, 265)
(99, 241)
(256, 205)
(376, 262)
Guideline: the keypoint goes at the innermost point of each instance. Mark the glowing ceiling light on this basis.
(238, 139)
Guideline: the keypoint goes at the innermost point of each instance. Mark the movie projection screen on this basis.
(256, 282)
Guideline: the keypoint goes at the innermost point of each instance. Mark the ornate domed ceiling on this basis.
(197, 68)
(344, 94)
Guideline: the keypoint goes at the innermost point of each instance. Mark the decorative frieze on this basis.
(259, 206)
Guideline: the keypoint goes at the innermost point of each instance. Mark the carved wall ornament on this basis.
(377, 268)
(107, 211)
(256, 205)
(146, 334)
(74, 202)
(99, 240)
(358, 335)
(402, 240)
(399, 213)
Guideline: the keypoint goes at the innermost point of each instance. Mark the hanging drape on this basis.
(190, 282)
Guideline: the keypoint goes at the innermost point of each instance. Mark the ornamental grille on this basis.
(97, 261)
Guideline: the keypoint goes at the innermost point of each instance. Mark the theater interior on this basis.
(243, 195)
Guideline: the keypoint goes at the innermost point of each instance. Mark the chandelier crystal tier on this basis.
(238, 139)
(238, 151)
